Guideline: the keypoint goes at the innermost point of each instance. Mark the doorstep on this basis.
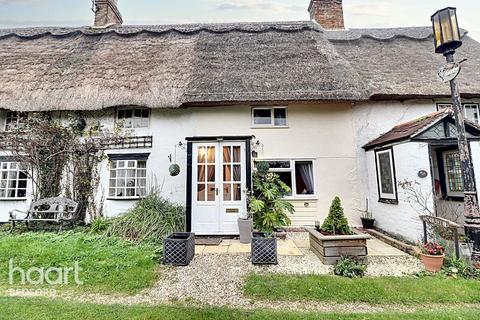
(233, 246)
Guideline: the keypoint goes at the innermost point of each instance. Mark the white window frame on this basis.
(17, 170)
(272, 117)
(115, 178)
(13, 125)
(450, 193)
(441, 106)
(121, 122)
(386, 197)
(292, 162)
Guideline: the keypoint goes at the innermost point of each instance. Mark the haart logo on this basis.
(42, 276)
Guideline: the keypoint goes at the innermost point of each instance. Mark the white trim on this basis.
(383, 195)
(17, 170)
(272, 118)
(137, 189)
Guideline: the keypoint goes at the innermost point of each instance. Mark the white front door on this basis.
(219, 184)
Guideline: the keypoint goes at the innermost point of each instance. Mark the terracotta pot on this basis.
(432, 263)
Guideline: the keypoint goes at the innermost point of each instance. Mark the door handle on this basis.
(216, 191)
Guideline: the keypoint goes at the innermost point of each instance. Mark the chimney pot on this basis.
(107, 13)
(327, 13)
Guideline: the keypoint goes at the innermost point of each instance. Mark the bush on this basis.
(99, 225)
(151, 220)
(336, 222)
(267, 206)
(350, 268)
(454, 267)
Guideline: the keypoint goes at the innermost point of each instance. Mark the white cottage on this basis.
(306, 96)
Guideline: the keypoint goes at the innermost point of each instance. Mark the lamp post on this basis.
(447, 39)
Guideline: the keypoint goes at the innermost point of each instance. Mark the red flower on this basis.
(433, 249)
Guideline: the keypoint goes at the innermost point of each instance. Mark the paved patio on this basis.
(295, 245)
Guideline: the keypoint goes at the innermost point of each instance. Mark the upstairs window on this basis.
(13, 180)
(128, 178)
(14, 120)
(297, 174)
(471, 110)
(133, 118)
(387, 184)
(269, 117)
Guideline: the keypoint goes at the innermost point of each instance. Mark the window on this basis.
(387, 185)
(14, 119)
(453, 173)
(13, 180)
(134, 118)
(471, 110)
(128, 178)
(269, 117)
(297, 174)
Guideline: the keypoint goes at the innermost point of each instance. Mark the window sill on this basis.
(125, 198)
(269, 127)
(388, 201)
(13, 199)
(300, 198)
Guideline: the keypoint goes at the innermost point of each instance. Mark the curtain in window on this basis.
(305, 170)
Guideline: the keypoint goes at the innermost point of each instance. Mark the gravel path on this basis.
(217, 280)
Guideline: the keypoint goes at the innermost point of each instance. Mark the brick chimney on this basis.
(106, 13)
(327, 13)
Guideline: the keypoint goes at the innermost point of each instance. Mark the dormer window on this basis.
(14, 119)
(133, 118)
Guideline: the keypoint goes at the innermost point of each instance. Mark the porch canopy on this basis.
(437, 128)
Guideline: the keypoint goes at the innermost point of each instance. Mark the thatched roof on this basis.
(181, 65)
(401, 62)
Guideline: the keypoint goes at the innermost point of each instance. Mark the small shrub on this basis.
(350, 268)
(459, 268)
(99, 225)
(336, 222)
(151, 220)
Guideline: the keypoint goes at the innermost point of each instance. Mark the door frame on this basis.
(190, 142)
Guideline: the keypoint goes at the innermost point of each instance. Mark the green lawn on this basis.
(404, 290)
(110, 265)
(43, 309)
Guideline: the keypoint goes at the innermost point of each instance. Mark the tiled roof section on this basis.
(406, 130)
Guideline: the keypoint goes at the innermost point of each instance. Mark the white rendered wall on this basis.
(402, 218)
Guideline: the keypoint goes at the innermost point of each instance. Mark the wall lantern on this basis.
(446, 31)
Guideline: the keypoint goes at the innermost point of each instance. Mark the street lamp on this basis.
(447, 38)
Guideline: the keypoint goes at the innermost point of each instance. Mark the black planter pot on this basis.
(368, 223)
(264, 249)
(179, 249)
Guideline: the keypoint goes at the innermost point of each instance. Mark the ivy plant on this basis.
(267, 204)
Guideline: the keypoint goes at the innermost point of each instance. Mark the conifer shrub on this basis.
(336, 223)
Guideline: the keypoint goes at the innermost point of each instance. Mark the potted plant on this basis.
(245, 228)
(432, 256)
(269, 211)
(368, 221)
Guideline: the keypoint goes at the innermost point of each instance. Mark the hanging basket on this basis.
(174, 170)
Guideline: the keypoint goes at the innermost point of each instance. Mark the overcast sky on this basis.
(358, 13)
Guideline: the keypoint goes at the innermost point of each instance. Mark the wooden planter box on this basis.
(331, 248)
